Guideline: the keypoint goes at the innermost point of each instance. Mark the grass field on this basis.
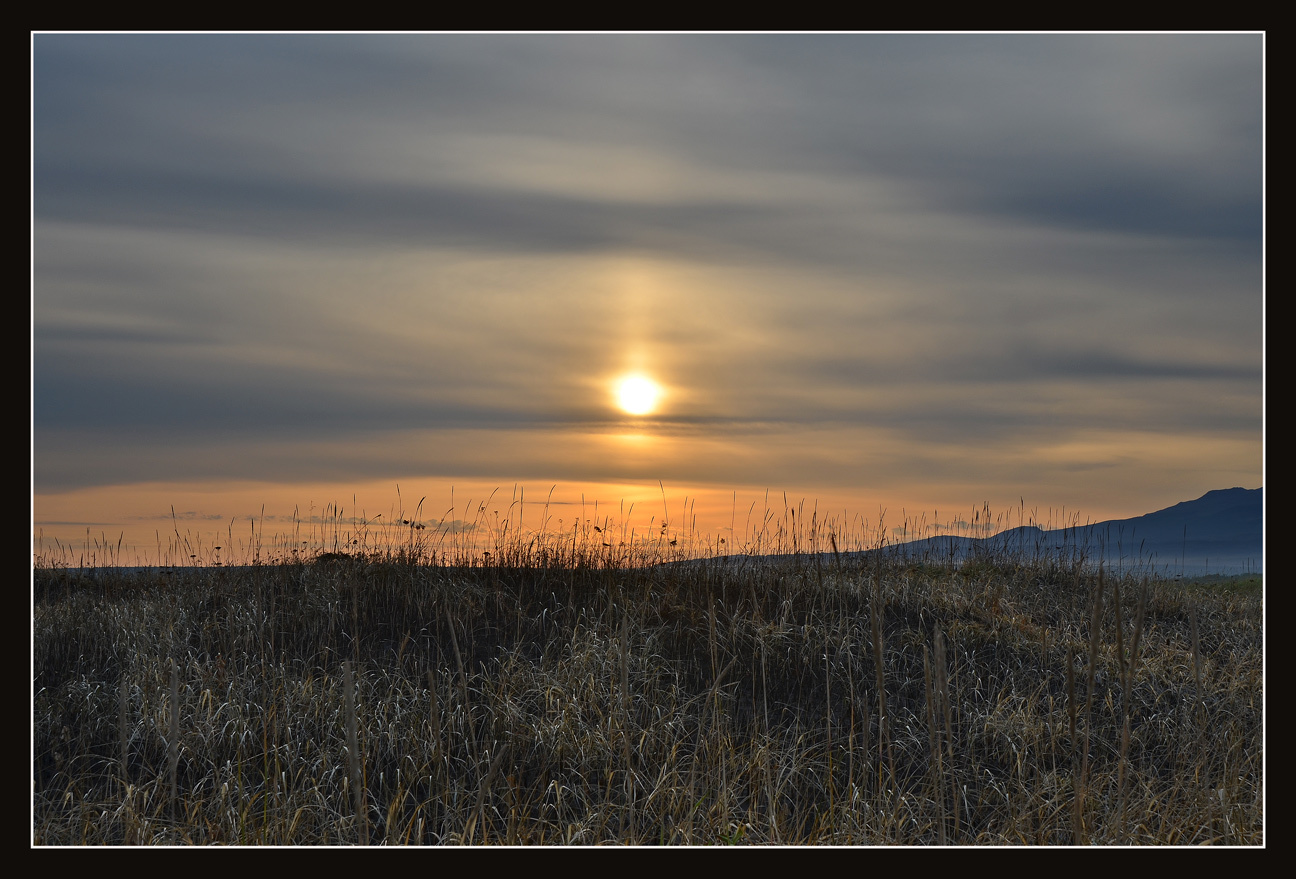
(550, 693)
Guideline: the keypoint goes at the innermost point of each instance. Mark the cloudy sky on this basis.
(915, 273)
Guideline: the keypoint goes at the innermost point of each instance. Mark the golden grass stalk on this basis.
(173, 734)
(353, 752)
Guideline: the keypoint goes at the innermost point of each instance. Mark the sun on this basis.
(637, 394)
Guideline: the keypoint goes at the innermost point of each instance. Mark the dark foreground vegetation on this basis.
(549, 700)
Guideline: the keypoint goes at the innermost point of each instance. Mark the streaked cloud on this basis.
(862, 262)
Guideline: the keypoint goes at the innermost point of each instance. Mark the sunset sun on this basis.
(637, 394)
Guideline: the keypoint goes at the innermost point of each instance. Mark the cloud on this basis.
(321, 256)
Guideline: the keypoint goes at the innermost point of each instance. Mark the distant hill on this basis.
(1220, 532)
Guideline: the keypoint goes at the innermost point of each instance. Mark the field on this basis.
(564, 692)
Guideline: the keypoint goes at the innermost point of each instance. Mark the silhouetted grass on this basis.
(565, 690)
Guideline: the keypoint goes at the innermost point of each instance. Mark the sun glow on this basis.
(637, 394)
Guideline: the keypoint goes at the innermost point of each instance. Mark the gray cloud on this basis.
(253, 253)
(1156, 135)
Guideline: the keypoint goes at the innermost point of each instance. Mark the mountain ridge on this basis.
(1220, 532)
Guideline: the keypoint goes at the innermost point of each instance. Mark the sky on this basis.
(884, 276)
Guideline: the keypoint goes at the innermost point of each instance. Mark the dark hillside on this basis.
(1002, 701)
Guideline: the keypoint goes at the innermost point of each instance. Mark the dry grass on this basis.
(557, 694)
